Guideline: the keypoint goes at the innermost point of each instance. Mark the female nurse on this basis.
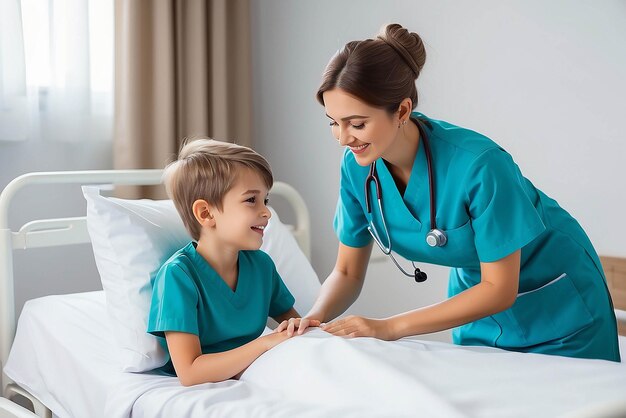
(524, 275)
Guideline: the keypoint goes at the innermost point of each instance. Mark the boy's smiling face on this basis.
(244, 214)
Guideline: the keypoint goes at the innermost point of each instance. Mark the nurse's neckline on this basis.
(402, 175)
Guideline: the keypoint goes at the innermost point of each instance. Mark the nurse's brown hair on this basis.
(381, 71)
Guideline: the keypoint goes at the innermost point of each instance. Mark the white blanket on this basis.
(317, 375)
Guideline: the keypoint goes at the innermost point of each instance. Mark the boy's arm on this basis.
(192, 367)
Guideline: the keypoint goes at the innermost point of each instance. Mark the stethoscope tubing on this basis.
(434, 238)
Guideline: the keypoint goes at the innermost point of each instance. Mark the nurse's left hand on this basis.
(358, 326)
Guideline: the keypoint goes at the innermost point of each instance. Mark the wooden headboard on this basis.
(615, 270)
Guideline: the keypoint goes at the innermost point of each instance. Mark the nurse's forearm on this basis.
(475, 303)
(337, 294)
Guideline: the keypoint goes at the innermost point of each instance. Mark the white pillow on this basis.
(131, 239)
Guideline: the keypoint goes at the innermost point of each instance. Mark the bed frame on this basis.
(66, 231)
(615, 270)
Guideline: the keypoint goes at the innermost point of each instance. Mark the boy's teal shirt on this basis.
(189, 296)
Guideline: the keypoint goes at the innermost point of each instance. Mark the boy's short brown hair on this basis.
(207, 169)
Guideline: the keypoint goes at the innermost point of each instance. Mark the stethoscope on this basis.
(435, 237)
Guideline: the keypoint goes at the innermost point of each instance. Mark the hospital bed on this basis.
(63, 356)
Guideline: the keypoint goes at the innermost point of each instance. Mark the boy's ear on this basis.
(203, 212)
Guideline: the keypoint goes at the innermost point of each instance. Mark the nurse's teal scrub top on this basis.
(488, 210)
(189, 296)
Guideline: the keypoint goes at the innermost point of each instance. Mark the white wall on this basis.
(546, 80)
(32, 270)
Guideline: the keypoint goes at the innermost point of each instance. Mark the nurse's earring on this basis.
(401, 124)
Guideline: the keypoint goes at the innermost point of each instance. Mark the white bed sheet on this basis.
(64, 356)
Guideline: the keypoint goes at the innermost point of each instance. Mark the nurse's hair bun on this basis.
(380, 72)
(407, 44)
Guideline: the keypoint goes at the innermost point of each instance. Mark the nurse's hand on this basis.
(301, 324)
(358, 326)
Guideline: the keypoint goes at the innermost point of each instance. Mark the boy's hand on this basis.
(301, 324)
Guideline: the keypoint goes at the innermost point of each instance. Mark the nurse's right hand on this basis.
(301, 324)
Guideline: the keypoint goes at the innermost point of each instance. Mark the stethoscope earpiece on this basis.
(420, 276)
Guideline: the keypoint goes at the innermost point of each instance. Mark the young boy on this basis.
(212, 298)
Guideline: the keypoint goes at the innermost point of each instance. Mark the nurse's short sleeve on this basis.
(350, 222)
(504, 218)
(282, 299)
(174, 302)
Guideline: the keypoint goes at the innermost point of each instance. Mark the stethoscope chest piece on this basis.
(436, 238)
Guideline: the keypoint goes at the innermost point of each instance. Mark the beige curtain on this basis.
(182, 69)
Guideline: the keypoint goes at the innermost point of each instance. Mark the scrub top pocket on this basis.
(548, 313)
(458, 252)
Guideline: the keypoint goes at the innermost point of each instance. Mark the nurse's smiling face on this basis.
(369, 132)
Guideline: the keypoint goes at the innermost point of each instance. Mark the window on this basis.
(56, 70)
